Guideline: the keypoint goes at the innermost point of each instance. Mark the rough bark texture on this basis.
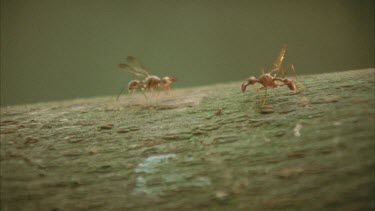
(204, 148)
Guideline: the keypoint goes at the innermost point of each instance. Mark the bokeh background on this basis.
(66, 49)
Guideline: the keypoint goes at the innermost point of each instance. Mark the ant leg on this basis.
(265, 98)
(277, 70)
(303, 100)
(133, 92)
(262, 70)
(260, 99)
(157, 93)
(122, 90)
(152, 92)
(144, 94)
(259, 95)
(157, 88)
(169, 91)
(291, 66)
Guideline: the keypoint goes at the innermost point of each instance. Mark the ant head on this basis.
(290, 84)
(169, 78)
(252, 80)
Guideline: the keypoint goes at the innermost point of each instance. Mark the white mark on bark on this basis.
(297, 129)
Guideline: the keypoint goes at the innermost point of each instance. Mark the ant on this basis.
(150, 82)
(271, 79)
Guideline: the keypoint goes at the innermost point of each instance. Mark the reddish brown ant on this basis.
(150, 82)
(270, 80)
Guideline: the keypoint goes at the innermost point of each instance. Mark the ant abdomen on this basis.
(290, 84)
(133, 85)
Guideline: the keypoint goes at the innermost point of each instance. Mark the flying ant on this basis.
(271, 79)
(150, 82)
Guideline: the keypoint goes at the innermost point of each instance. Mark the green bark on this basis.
(204, 148)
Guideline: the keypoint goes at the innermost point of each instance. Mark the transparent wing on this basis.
(137, 65)
(131, 70)
(276, 65)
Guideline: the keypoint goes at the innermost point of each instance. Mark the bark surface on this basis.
(203, 148)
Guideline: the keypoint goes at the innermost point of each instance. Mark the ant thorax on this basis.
(267, 81)
(152, 82)
(153, 77)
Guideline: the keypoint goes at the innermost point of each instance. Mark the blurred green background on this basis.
(65, 49)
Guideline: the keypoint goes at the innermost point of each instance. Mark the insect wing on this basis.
(276, 65)
(131, 70)
(137, 65)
